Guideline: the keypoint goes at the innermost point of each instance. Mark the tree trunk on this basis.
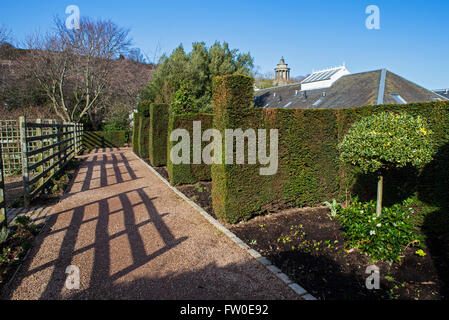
(380, 190)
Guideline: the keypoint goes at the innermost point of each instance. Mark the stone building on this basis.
(282, 73)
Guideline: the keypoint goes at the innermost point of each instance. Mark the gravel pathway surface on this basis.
(132, 237)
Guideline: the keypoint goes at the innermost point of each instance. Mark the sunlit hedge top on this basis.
(388, 140)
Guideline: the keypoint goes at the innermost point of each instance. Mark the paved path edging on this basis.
(256, 255)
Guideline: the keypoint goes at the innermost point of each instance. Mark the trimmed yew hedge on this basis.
(136, 129)
(144, 137)
(187, 173)
(158, 134)
(309, 168)
(104, 139)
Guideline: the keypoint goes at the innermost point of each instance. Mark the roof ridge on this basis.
(381, 92)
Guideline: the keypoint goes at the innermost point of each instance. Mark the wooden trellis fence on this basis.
(3, 218)
(46, 148)
(10, 142)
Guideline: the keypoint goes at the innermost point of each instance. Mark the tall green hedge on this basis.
(105, 139)
(144, 137)
(136, 130)
(309, 170)
(158, 134)
(187, 173)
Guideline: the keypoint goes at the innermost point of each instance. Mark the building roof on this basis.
(353, 90)
(322, 75)
(442, 92)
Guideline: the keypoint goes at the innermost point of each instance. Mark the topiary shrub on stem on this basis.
(387, 140)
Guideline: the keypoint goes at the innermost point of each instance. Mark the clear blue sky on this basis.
(413, 40)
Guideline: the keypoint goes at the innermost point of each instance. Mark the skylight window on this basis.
(398, 98)
(317, 102)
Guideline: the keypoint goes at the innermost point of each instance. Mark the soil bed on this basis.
(14, 249)
(200, 193)
(309, 247)
(161, 170)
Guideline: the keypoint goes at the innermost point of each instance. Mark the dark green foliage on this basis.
(187, 173)
(233, 98)
(158, 134)
(184, 100)
(386, 140)
(309, 168)
(136, 130)
(144, 137)
(105, 139)
(195, 71)
(384, 237)
(143, 108)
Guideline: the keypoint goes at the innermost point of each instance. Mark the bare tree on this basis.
(73, 67)
(5, 35)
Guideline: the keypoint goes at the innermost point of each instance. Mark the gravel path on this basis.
(133, 238)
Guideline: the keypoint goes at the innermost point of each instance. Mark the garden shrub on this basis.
(383, 237)
(187, 173)
(144, 137)
(105, 139)
(385, 141)
(309, 168)
(136, 130)
(158, 134)
(143, 108)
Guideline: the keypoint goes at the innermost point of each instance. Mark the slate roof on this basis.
(321, 76)
(442, 92)
(352, 90)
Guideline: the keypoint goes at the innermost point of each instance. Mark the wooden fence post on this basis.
(59, 141)
(2, 194)
(81, 135)
(40, 145)
(52, 150)
(76, 137)
(24, 155)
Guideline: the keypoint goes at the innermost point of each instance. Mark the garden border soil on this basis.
(253, 253)
(327, 269)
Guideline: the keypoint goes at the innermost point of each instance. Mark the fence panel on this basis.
(10, 143)
(3, 219)
(47, 147)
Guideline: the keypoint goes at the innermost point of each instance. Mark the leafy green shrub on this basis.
(143, 108)
(184, 100)
(198, 67)
(381, 238)
(387, 140)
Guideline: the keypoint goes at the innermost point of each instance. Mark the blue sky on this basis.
(413, 40)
